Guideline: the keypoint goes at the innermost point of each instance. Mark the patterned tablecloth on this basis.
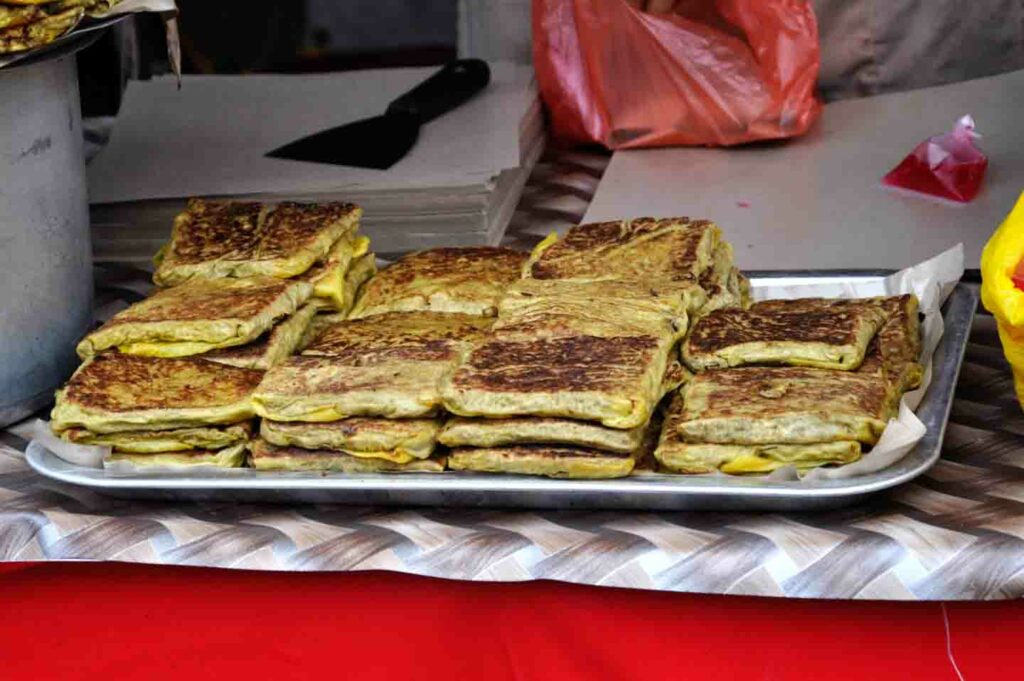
(955, 533)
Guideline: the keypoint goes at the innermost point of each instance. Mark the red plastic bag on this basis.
(949, 166)
(711, 72)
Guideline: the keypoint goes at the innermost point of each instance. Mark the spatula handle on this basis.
(454, 84)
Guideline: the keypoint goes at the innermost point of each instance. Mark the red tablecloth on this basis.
(110, 620)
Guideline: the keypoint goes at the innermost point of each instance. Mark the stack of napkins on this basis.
(457, 186)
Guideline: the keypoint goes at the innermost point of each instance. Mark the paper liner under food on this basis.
(931, 281)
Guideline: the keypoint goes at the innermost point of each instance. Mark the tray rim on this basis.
(958, 317)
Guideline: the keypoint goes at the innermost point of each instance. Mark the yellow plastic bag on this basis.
(1000, 295)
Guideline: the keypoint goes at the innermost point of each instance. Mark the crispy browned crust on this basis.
(424, 336)
(895, 350)
(677, 249)
(767, 389)
(214, 239)
(574, 363)
(203, 299)
(115, 382)
(469, 279)
(751, 405)
(818, 320)
(214, 230)
(289, 226)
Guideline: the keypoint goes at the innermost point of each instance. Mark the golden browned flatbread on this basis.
(214, 239)
(895, 352)
(815, 332)
(198, 316)
(645, 249)
(115, 392)
(386, 365)
(675, 455)
(785, 405)
(464, 280)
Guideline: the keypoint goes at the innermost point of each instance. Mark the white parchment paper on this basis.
(931, 281)
(81, 455)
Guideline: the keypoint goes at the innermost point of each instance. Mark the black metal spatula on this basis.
(382, 141)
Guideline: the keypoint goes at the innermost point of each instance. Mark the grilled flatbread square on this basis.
(564, 307)
(676, 455)
(477, 432)
(814, 332)
(198, 316)
(388, 365)
(490, 433)
(398, 440)
(594, 351)
(115, 392)
(615, 380)
(552, 461)
(894, 353)
(271, 348)
(229, 457)
(463, 280)
(214, 239)
(267, 457)
(645, 249)
(556, 461)
(785, 405)
(155, 441)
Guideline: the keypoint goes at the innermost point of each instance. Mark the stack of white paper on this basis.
(458, 185)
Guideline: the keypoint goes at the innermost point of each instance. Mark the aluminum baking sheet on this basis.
(649, 492)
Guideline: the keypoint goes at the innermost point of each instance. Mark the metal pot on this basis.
(45, 257)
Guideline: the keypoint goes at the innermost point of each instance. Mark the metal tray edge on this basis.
(653, 492)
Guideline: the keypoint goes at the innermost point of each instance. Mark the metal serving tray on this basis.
(650, 492)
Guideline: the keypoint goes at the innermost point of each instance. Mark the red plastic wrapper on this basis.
(709, 73)
(949, 166)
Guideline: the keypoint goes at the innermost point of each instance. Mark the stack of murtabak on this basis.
(803, 383)
(626, 347)
(169, 380)
(567, 381)
(364, 395)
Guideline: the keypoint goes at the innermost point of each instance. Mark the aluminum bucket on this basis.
(45, 256)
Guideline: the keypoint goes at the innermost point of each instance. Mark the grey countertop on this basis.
(817, 202)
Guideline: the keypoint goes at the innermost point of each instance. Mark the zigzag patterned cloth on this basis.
(956, 532)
